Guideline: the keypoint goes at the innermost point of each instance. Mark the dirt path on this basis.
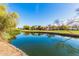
(7, 49)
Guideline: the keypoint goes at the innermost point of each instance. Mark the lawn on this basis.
(55, 31)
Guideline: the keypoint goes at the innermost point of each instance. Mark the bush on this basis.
(11, 34)
(15, 32)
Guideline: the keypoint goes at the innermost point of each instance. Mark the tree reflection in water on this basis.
(39, 34)
(36, 34)
(26, 33)
(61, 47)
(50, 35)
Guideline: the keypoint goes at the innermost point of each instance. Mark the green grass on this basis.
(55, 31)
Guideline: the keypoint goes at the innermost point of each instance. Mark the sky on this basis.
(42, 13)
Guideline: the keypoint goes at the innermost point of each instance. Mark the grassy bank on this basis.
(55, 31)
(12, 34)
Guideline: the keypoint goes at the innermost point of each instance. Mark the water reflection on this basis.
(67, 48)
(50, 35)
(39, 34)
(42, 44)
(28, 33)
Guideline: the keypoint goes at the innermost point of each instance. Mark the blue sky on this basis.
(42, 13)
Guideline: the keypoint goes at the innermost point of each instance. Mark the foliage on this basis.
(26, 27)
(11, 34)
(64, 27)
(33, 27)
(15, 32)
(7, 19)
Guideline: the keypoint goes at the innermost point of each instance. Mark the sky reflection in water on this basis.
(38, 44)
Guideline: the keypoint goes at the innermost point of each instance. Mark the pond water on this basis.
(38, 44)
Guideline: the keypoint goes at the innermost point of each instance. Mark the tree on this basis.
(33, 27)
(26, 27)
(39, 27)
(54, 27)
(8, 20)
(64, 27)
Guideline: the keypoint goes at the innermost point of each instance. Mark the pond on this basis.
(41, 44)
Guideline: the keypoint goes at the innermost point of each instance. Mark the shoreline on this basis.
(7, 49)
(56, 32)
(23, 54)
